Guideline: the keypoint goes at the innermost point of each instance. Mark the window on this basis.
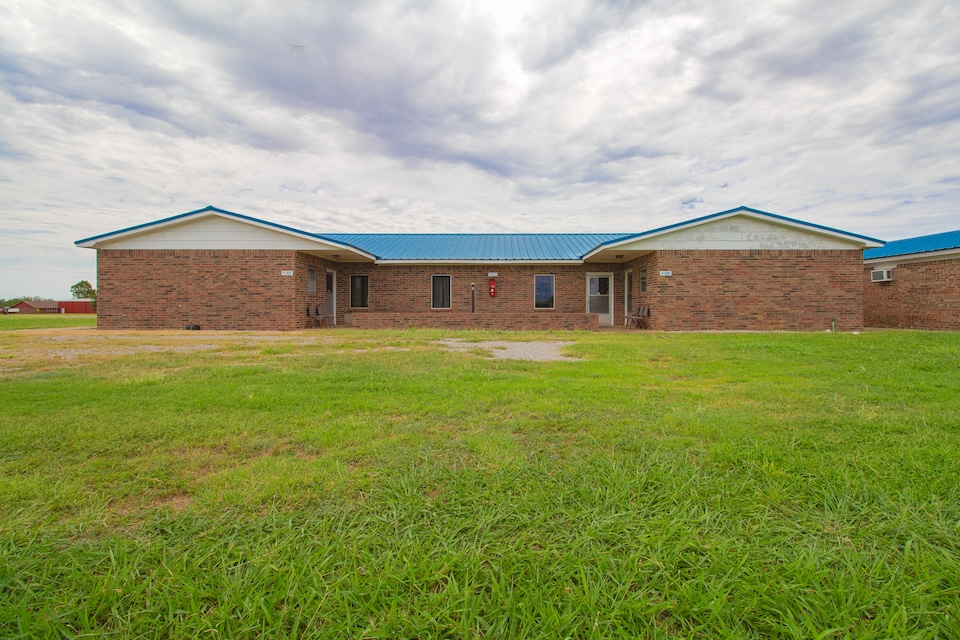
(359, 292)
(441, 292)
(311, 279)
(643, 280)
(543, 292)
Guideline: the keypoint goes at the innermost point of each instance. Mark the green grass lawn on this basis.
(13, 321)
(350, 484)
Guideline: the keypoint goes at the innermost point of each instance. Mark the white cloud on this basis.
(459, 116)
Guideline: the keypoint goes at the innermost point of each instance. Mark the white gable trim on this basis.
(304, 240)
(742, 212)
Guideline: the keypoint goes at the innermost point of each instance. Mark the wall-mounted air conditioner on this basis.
(881, 275)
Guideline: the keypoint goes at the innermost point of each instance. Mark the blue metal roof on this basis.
(920, 244)
(476, 246)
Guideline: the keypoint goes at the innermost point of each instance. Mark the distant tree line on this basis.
(82, 289)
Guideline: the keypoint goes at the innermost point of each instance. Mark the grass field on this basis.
(14, 321)
(350, 484)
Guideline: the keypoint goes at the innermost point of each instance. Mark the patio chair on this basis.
(324, 318)
(638, 319)
(315, 317)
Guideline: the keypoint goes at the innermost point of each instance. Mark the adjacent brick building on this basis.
(741, 269)
(914, 283)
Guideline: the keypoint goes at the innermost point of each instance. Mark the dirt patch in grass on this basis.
(535, 351)
(46, 349)
(177, 502)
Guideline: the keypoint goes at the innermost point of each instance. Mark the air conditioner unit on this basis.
(881, 275)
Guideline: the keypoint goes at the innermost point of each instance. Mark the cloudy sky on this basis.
(492, 116)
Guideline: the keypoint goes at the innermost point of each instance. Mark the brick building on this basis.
(737, 269)
(914, 283)
(37, 306)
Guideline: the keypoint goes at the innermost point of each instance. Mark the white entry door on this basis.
(600, 296)
(332, 296)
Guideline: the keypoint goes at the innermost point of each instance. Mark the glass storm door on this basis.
(331, 296)
(600, 297)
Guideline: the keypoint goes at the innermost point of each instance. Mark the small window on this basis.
(441, 292)
(543, 292)
(311, 279)
(359, 292)
(643, 280)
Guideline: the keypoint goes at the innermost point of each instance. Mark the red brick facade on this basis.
(245, 289)
(216, 289)
(456, 320)
(748, 290)
(406, 289)
(922, 295)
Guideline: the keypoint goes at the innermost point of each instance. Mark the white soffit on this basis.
(741, 231)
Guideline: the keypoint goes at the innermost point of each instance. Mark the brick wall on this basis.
(922, 295)
(458, 320)
(405, 290)
(216, 289)
(220, 289)
(647, 264)
(756, 290)
(303, 298)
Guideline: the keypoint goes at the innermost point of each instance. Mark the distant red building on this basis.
(79, 305)
(37, 306)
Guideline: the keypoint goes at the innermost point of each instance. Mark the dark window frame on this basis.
(363, 293)
(434, 291)
(553, 291)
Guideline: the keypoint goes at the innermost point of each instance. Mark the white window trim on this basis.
(313, 271)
